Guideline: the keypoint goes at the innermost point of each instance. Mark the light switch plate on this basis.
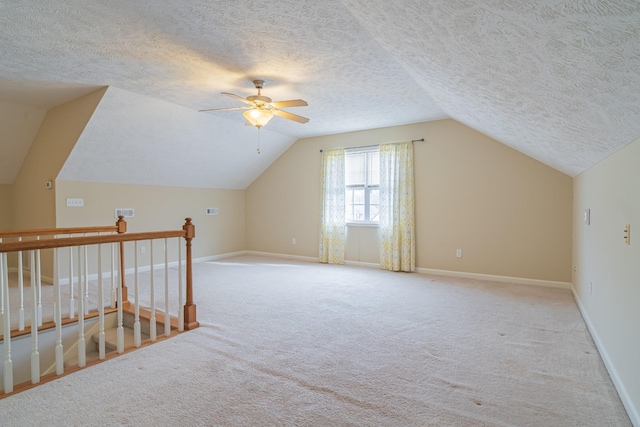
(75, 202)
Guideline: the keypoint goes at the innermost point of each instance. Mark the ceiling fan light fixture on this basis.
(258, 117)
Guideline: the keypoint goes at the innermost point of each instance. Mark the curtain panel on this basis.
(333, 225)
(397, 208)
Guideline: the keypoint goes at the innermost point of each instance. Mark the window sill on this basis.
(363, 224)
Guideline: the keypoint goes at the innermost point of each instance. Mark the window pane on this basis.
(373, 177)
(374, 212)
(374, 196)
(348, 198)
(354, 168)
(362, 183)
(349, 217)
(358, 196)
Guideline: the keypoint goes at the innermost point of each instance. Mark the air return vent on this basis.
(125, 212)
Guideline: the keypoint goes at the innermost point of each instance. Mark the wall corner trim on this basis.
(632, 411)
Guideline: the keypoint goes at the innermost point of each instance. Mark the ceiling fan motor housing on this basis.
(259, 99)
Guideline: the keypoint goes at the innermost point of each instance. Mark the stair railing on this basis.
(186, 315)
(34, 267)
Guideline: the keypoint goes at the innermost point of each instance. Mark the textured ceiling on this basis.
(556, 80)
(152, 140)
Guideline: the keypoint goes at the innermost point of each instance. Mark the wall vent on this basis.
(212, 211)
(125, 212)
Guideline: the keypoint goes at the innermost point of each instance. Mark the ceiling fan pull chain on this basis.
(259, 140)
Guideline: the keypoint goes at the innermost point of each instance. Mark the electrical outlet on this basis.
(293, 241)
(143, 249)
(458, 253)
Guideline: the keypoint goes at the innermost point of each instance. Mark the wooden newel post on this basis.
(122, 228)
(190, 321)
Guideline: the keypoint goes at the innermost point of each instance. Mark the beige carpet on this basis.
(291, 343)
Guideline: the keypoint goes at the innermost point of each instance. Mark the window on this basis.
(362, 185)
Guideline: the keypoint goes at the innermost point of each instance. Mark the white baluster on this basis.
(58, 314)
(39, 283)
(2, 285)
(114, 291)
(167, 316)
(120, 329)
(82, 349)
(6, 310)
(35, 355)
(180, 296)
(56, 282)
(137, 339)
(21, 290)
(72, 305)
(152, 320)
(86, 280)
(101, 341)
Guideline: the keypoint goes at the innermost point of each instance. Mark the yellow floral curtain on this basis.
(397, 206)
(332, 227)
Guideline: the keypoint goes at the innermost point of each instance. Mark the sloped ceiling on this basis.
(556, 80)
(136, 139)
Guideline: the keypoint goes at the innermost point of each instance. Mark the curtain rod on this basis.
(366, 146)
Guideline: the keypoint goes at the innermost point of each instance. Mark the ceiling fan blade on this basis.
(287, 115)
(224, 109)
(290, 103)
(239, 98)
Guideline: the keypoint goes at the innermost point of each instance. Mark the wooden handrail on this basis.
(120, 227)
(56, 231)
(76, 237)
(64, 242)
(187, 232)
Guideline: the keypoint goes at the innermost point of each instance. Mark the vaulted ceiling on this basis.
(557, 80)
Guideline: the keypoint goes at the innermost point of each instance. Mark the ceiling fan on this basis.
(260, 109)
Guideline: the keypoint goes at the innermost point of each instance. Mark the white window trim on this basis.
(358, 150)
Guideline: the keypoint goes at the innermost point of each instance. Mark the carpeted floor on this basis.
(292, 343)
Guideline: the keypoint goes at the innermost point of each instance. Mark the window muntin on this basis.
(362, 186)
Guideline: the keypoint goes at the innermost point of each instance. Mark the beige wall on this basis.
(33, 204)
(511, 215)
(6, 210)
(159, 208)
(606, 279)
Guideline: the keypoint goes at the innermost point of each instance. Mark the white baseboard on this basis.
(27, 273)
(632, 411)
(449, 273)
(494, 278)
(216, 257)
(284, 256)
(362, 264)
(143, 269)
(305, 258)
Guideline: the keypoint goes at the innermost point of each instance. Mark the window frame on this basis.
(367, 187)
